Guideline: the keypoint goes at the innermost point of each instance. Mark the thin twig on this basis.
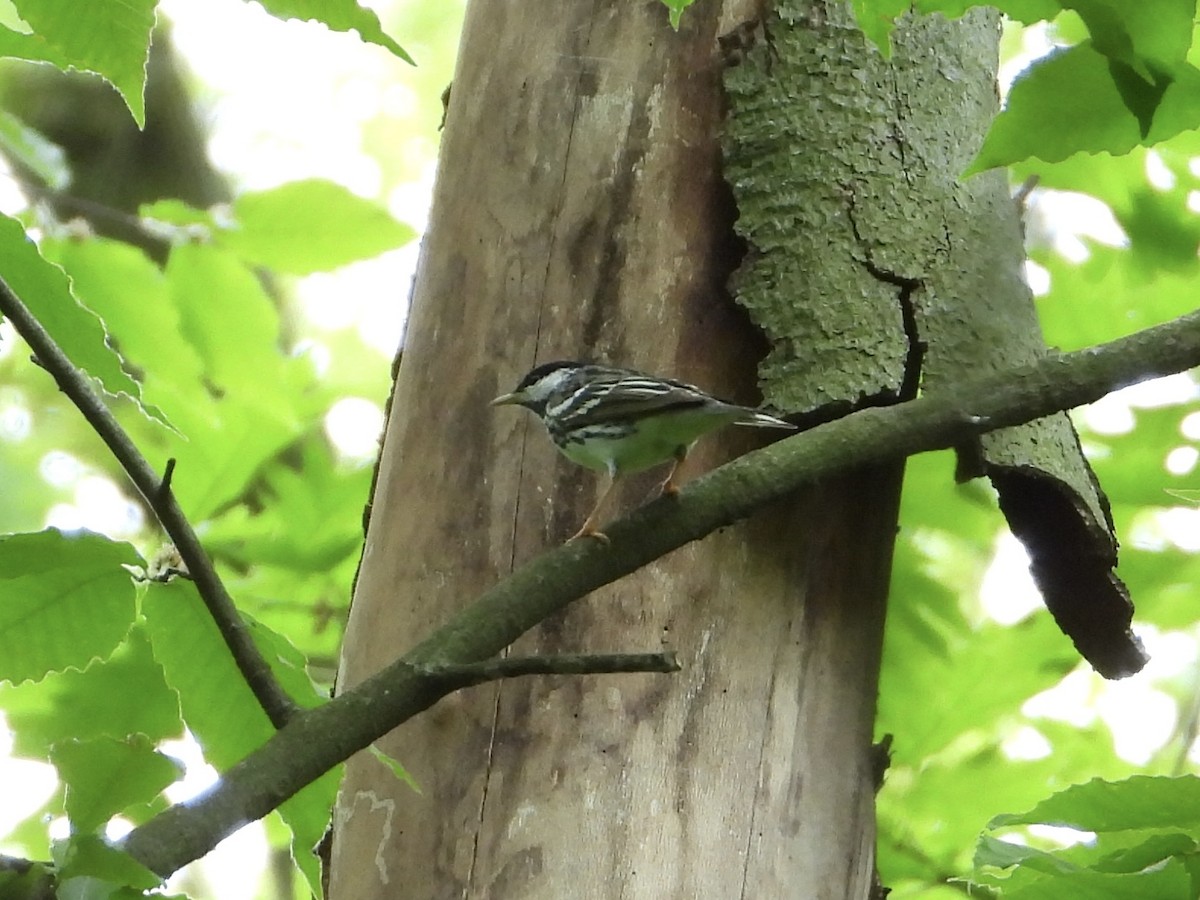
(461, 675)
(157, 493)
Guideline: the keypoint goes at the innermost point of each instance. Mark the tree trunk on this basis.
(580, 212)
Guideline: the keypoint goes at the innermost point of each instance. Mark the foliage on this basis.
(988, 690)
(1143, 843)
(200, 358)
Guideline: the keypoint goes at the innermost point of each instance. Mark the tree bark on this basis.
(580, 212)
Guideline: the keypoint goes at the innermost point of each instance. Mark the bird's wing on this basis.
(626, 396)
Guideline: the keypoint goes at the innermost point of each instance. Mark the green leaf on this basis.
(45, 289)
(676, 8)
(393, 765)
(89, 858)
(64, 600)
(1151, 38)
(105, 775)
(217, 703)
(307, 816)
(122, 695)
(108, 37)
(307, 516)
(226, 442)
(1169, 882)
(877, 18)
(31, 149)
(1001, 854)
(310, 226)
(220, 709)
(1074, 100)
(1142, 801)
(339, 15)
(119, 283)
(1150, 852)
(226, 316)
(1063, 103)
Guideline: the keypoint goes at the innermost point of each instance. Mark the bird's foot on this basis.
(589, 531)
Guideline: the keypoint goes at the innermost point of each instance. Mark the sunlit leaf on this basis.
(45, 289)
(1139, 802)
(340, 15)
(108, 37)
(219, 707)
(310, 226)
(64, 601)
(105, 775)
(122, 695)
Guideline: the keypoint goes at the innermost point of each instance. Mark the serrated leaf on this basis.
(1150, 852)
(307, 816)
(1140, 802)
(219, 707)
(310, 226)
(339, 15)
(31, 47)
(108, 37)
(128, 291)
(1071, 101)
(64, 600)
(44, 288)
(33, 150)
(118, 696)
(105, 775)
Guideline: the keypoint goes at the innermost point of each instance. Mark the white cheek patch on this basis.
(549, 384)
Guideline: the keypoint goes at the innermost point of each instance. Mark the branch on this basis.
(158, 496)
(460, 675)
(317, 739)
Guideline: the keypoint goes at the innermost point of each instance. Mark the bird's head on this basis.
(541, 384)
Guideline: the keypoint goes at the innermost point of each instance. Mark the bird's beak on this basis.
(508, 399)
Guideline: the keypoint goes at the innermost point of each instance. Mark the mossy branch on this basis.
(317, 739)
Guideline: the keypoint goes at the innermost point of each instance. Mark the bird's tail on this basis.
(758, 419)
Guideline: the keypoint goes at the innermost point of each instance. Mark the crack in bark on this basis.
(906, 288)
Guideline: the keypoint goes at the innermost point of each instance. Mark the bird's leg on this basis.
(669, 488)
(590, 528)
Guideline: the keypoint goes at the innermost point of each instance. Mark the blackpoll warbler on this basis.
(620, 421)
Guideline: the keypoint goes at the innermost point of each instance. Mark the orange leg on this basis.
(590, 526)
(669, 488)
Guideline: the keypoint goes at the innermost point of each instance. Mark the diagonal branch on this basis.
(157, 493)
(319, 738)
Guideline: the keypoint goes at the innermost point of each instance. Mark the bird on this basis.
(620, 421)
